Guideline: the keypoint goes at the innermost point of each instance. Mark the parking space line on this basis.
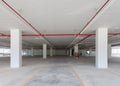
(113, 72)
(77, 76)
(38, 72)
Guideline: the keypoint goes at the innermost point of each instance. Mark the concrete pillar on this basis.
(51, 51)
(109, 50)
(44, 51)
(101, 48)
(83, 52)
(16, 48)
(70, 52)
(32, 52)
(90, 53)
(76, 50)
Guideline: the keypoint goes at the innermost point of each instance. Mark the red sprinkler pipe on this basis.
(84, 39)
(114, 33)
(49, 34)
(57, 34)
(93, 18)
(25, 20)
(20, 16)
(1, 34)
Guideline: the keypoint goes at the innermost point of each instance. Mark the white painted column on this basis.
(101, 48)
(90, 54)
(109, 50)
(76, 50)
(16, 48)
(44, 51)
(51, 51)
(70, 52)
(32, 51)
(83, 52)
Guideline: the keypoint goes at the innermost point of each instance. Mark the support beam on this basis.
(101, 48)
(51, 51)
(16, 48)
(44, 51)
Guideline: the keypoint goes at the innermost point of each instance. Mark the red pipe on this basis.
(93, 18)
(21, 16)
(1, 34)
(83, 39)
(114, 33)
(57, 34)
(25, 20)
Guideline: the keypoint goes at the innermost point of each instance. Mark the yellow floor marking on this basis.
(77, 76)
(4, 70)
(113, 72)
(31, 77)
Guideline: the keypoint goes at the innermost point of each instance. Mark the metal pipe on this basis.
(94, 16)
(84, 39)
(99, 10)
(25, 20)
(111, 34)
(18, 14)
(57, 34)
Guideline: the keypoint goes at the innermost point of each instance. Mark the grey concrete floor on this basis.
(59, 71)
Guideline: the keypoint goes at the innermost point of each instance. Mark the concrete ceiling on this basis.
(59, 17)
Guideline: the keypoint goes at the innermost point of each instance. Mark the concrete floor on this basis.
(59, 71)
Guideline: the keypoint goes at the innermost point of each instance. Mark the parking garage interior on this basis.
(59, 43)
